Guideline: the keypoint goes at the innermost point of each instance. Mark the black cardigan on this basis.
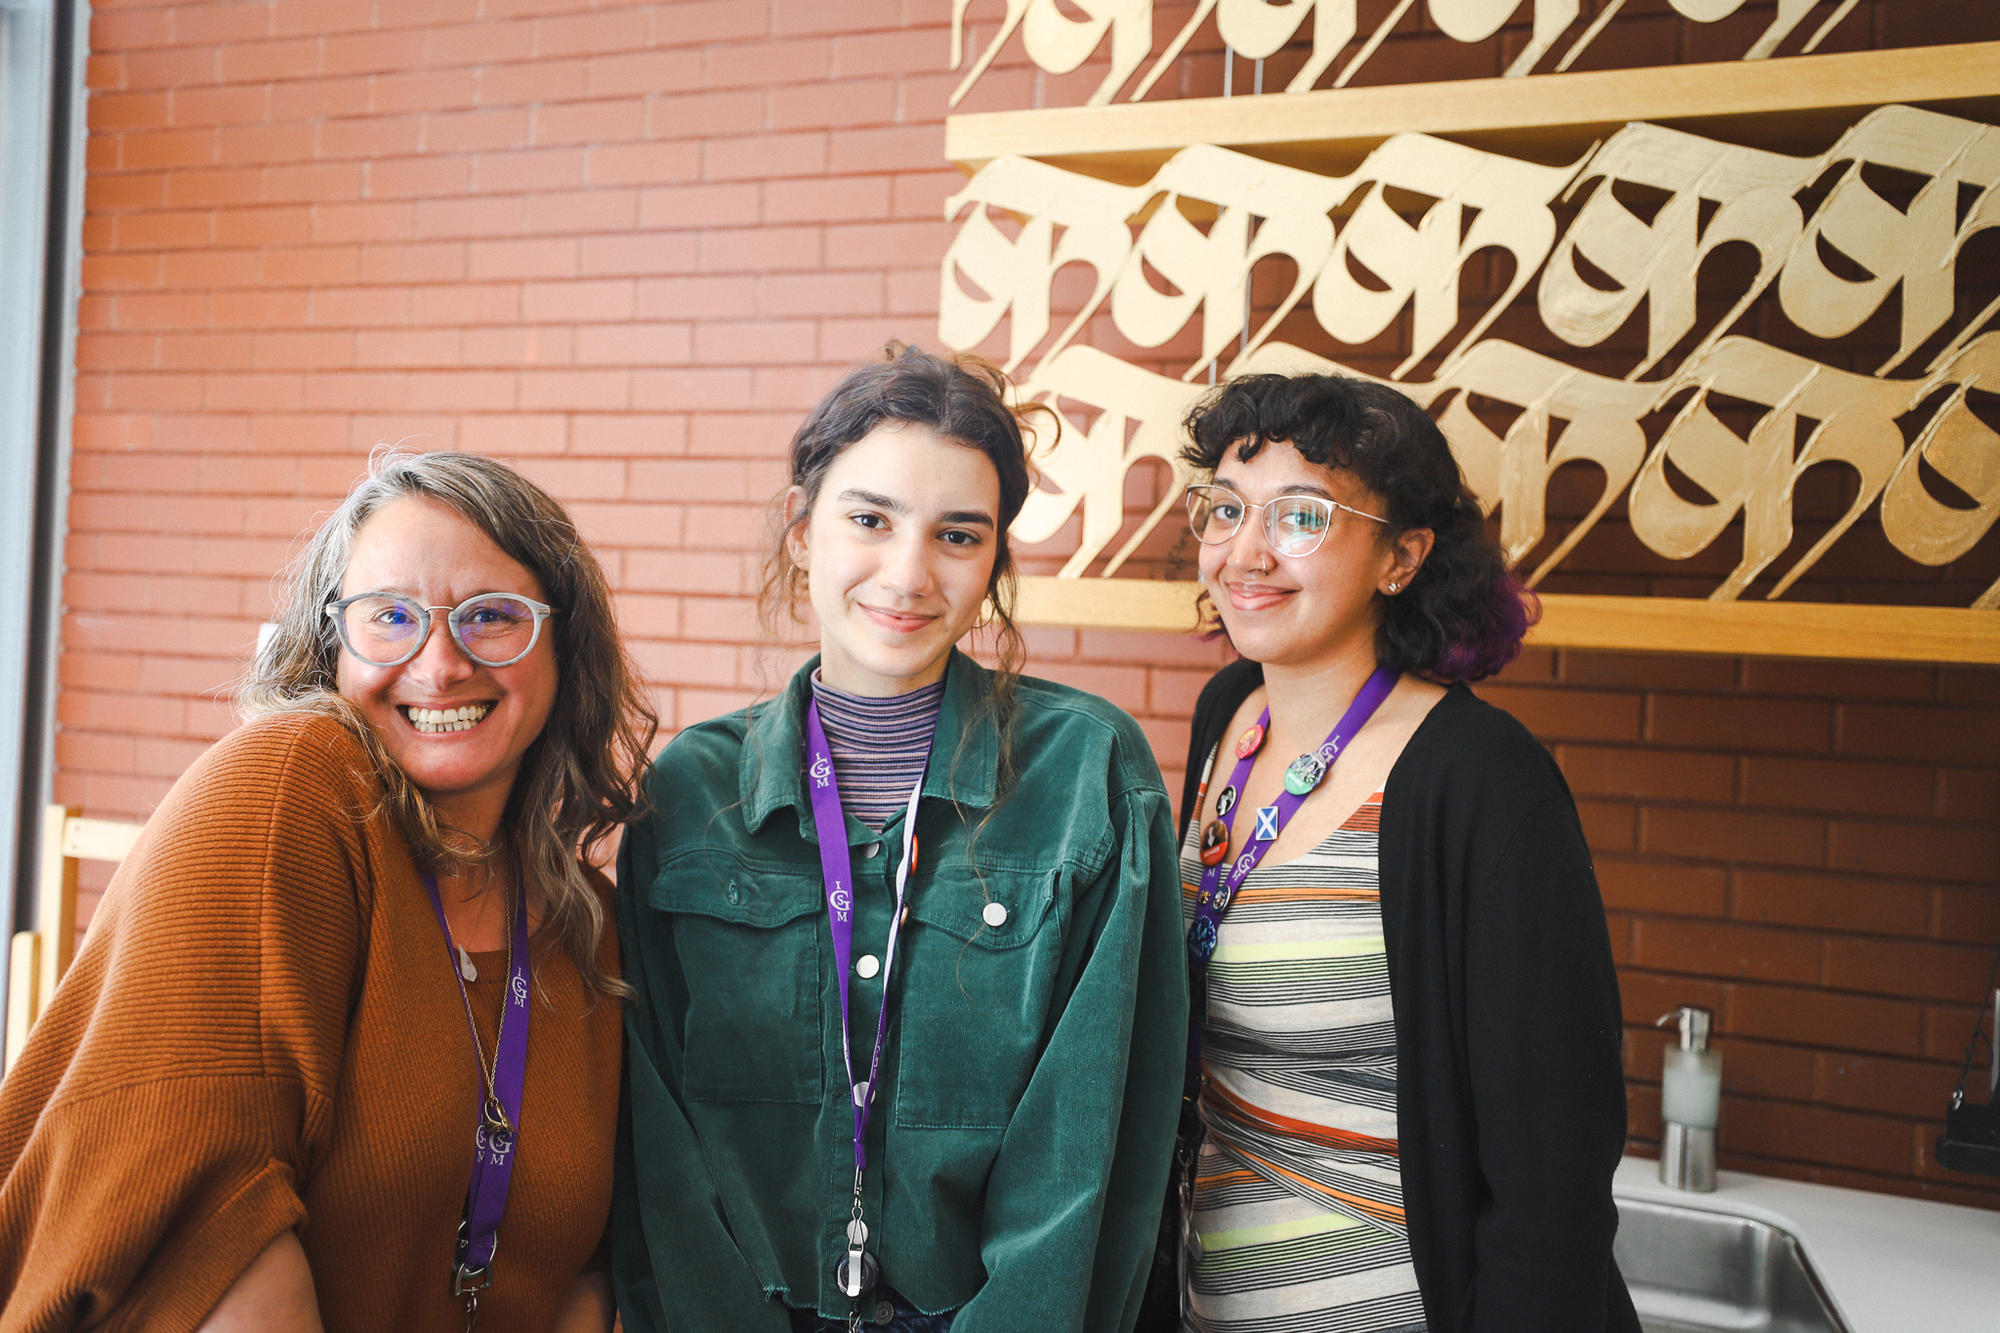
(1510, 1097)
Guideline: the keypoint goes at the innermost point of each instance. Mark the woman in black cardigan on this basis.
(1410, 1088)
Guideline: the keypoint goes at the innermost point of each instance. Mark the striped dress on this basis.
(1298, 1205)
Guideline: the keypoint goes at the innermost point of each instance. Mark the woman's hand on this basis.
(273, 1295)
(588, 1308)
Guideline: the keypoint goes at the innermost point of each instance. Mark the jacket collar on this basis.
(965, 759)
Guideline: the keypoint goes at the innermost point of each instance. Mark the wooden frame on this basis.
(1626, 624)
(1123, 33)
(39, 957)
(1561, 112)
(1795, 105)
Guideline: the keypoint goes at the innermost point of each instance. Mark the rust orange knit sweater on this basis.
(261, 1031)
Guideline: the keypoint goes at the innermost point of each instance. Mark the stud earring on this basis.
(1395, 588)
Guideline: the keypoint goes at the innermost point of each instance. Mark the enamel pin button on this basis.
(1304, 774)
(1214, 843)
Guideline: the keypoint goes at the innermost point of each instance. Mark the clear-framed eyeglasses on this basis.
(1294, 525)
(495, 629)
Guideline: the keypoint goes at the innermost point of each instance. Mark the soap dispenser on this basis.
(1690, 1102)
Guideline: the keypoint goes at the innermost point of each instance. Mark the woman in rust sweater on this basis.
(347, 1017)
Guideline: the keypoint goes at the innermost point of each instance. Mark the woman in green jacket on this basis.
(889, 931)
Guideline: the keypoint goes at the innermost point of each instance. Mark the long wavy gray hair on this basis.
(579, 780)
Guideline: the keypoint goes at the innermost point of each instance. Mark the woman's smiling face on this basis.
(898, 553)
(1308, 610)
(464, 762)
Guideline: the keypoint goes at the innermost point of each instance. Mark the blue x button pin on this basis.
(1267, 824)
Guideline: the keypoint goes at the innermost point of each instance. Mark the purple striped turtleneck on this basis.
(879, 746)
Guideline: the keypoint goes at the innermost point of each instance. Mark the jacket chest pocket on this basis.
(747, 941)
(981, 957)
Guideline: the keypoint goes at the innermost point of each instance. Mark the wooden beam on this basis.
(1630, 624)
(99, 839)
(1771, 629)
(1563, 112)
(1108, 603)
(24, 983)
(55, 904)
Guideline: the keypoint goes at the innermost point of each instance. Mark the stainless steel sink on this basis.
(1699, 1272)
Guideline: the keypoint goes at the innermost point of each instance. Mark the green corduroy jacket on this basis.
(1019, 1147)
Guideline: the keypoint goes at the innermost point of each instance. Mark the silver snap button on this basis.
(866, 966)
(869, 851)
(995, 914)
(885, 1313)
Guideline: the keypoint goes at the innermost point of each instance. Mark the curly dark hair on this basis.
(1464, 614)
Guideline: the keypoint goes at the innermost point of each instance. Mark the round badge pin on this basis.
(1222, 897)
(1201, 940)
(1225, 802)
(1304, 774)
(1214, 843)
(1247, 743)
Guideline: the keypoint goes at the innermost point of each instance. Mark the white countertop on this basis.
(1892, 1265)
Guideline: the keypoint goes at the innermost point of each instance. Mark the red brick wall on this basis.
(626, 245)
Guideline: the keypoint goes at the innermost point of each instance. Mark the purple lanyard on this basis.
(830, 821)
(493, 1141)
(1220, 881)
